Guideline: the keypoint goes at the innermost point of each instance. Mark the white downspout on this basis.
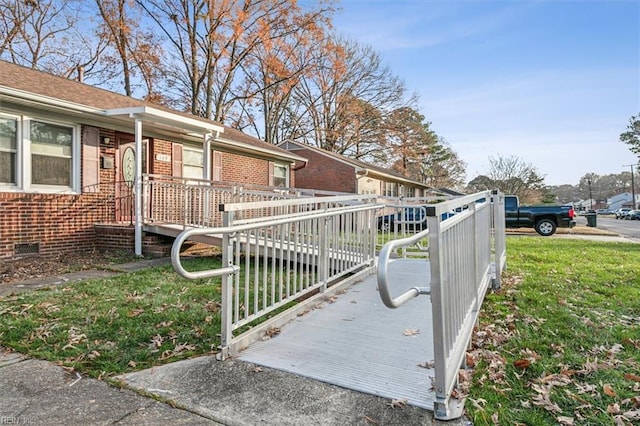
(206, 175)
(138, 188)
(206, 159)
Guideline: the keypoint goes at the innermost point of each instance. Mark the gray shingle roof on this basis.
(59, 88)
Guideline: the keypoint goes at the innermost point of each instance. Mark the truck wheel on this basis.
(545, 227)
(384, 226)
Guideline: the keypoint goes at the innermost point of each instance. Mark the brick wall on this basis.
(114, 237)
(160, 166)
(57, 222)
(236, 168)
(323, 172)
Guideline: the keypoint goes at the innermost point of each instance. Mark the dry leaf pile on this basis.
(567, 383)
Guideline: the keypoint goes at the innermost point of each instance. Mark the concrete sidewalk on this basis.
(200, 391)
(34, 392)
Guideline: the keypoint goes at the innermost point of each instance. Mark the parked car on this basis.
(632, 215)
(603, 211)
(622, 212)
(411, 218)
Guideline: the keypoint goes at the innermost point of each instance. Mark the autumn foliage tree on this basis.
(133, 51)
(340, 105)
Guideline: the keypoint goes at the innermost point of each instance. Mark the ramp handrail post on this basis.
(226, 310)
(323, 255)
(439, 350)
(499, 240)
(477, 229)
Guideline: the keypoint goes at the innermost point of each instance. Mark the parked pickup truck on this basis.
(544, 218)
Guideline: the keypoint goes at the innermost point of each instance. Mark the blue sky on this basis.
(552, 82)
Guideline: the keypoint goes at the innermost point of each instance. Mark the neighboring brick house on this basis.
(68, 149)
(334, 172)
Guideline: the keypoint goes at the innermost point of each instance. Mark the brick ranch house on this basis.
(334, 172)
(69, 161)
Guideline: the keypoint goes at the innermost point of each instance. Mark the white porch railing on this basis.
(271, 260)
(193, 203)
(466, 252)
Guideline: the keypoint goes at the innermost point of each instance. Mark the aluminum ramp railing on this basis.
(274, 261)
(462, 267)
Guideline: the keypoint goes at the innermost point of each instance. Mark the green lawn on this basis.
(109, 326)
(560, 343)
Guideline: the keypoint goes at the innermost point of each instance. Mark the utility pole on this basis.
(590, 195)
(633, 186)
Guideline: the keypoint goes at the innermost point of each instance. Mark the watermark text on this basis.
(13, 420)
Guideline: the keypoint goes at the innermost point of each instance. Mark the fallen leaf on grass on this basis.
(212, 306)
(478, 403)
(470, 360)
(563, 420)
(156, 342)
(521, 363)
(178, 350)
(410, 332)
(586, 388)
(632, 377)
(544, 402)
(608, 390)
(136, 312)
(613, 408)
(632, 415)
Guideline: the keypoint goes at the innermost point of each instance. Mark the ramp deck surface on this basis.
(356, 342)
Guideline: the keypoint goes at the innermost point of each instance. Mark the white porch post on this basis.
(206, 156)
(138, 188)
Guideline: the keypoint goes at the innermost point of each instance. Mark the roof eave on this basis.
(154, 115)
(287, 156)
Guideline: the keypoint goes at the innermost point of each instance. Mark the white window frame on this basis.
(18, 177)
(389, 189)
(286, 174)
(23, 155)
(185, 165)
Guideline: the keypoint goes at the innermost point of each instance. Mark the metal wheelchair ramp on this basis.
(355, 342)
